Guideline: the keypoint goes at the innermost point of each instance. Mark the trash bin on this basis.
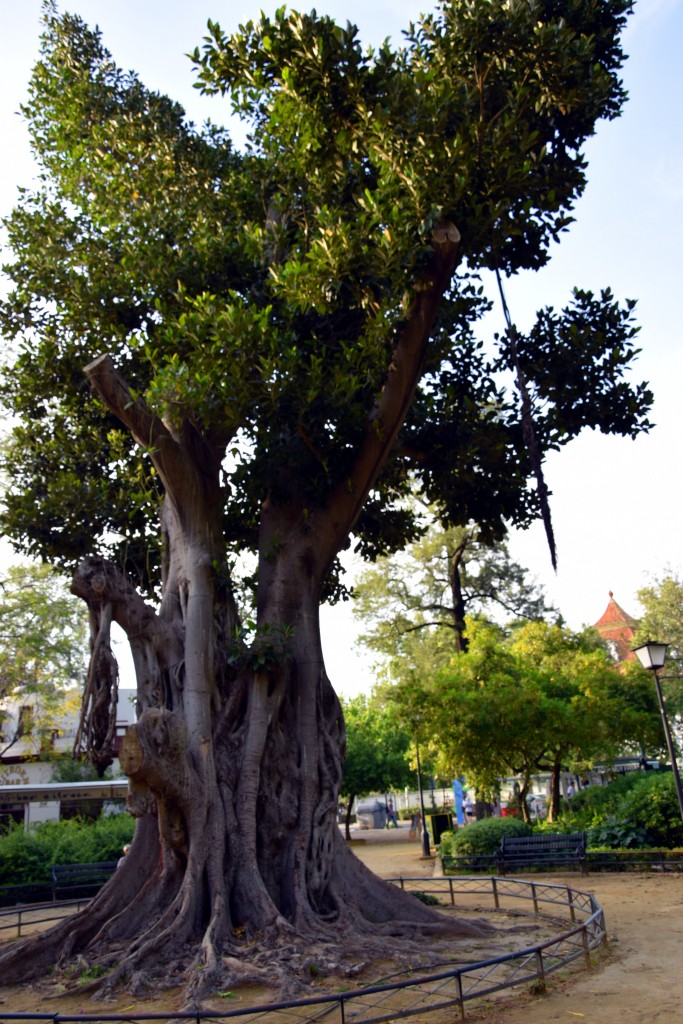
(438, 824)
(371, 813)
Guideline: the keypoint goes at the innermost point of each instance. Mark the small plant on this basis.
(426, 897)
(92, 973)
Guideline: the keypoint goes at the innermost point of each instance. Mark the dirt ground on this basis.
(638, 979)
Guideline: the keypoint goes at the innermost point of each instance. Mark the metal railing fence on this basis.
(452, 987)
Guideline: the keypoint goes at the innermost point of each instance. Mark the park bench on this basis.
(29, 892)
(71, 881)
(544, 850)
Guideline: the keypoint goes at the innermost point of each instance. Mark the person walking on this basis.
(391, 814)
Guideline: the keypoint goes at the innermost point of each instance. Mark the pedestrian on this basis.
(570, 790)
(415, 823)
(120, 861)
(391, 814)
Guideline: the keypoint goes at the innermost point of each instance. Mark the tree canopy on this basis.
(257, 299)
(662, 603)
(536, 699)
(377, 750)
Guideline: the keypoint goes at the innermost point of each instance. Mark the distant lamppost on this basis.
(426, 852)
(652, 656)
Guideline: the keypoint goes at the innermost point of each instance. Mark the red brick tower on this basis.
(618, 629)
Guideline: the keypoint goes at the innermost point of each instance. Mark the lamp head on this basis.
(651, 655)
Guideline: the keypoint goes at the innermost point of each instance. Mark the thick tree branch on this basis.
(187, 465)
(403, 375)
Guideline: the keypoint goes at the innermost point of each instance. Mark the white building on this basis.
(21, 764)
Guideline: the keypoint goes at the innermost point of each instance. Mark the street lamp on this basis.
(426, 852)
(652, 656)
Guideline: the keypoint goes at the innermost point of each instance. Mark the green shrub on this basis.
(481, 838)
(637, 810)
(614, 835)
(652, 805)
(26, 855)
(23, 857)
(596, 804)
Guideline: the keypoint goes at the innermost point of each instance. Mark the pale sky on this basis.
(616, 504)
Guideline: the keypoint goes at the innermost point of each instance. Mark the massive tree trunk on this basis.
(235, 761)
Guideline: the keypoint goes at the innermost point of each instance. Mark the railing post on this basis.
(461, 1001)
(535, 899)
(570, 903)
(541, 970)
(450, 886)
(586, 948)
(494, 887)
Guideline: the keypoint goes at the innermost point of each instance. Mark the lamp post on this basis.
(426, 852)
(652, 656)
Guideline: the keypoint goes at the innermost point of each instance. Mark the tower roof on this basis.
(614, 615)
(618, 628)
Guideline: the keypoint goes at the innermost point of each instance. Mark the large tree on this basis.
(274, 341)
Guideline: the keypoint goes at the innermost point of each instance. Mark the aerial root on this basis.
(445, 929)
(228, 972)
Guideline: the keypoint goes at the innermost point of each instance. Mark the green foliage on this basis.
(377, 750)
(662, 620)
(427, 898)
(594, 804)
(636, 810)
(26, 855)
(653, 806)
(43, 631)
(257, 300)
(430, 587)
(516, 703)
(482, 838)
(613, 834)
(68, 769)
(43, 648)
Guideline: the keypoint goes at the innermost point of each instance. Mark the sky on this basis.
(617, 503)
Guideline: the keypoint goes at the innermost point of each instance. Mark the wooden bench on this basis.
(543, 850)
(70, 881)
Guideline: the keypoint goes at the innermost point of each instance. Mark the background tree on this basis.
(662, 604)
(437, 581)
(277, 341)
(377, 750)
(43, 653)
(538, 699)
